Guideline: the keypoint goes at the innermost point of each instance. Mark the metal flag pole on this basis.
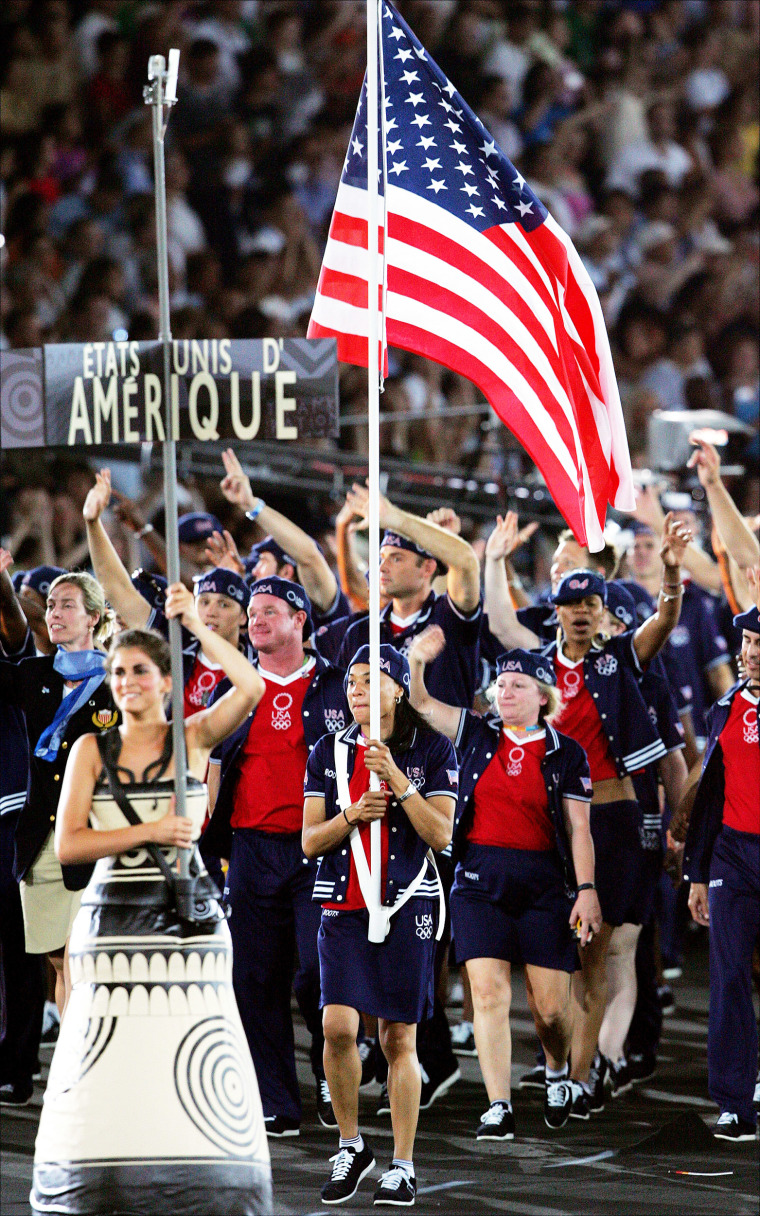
(160, 94)
(377, 926)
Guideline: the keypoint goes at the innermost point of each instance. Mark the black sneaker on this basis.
(731, 1127)
(396, 1188)
(498, 1123)
(16, 1095)
(579, 1108)
(597, 1075)
(534, 1078)
(367, 1057)
(463, 1039)
(619, 1078)
(435, 1086)
(666, 999)
(348, 1169)
(384, 1104)
(278, 1125)
(641, 1066)
(557, 1103)
(324, 1106)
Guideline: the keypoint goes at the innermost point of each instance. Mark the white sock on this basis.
(356, 1143)
(406, 1166)
(552, 1074)
(502, 1102)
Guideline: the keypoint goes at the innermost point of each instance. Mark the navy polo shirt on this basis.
(452, 677)
(695, 645)
(431, 766)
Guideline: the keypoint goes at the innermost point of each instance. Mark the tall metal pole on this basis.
(376, 921)
(160, 94)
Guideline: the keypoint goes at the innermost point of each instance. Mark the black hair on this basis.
(405, 721)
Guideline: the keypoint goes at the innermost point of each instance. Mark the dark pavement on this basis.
(604, 1166)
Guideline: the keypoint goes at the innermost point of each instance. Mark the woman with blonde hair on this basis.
(62, 695)
(524, 882)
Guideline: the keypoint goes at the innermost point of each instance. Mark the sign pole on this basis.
(160, 94)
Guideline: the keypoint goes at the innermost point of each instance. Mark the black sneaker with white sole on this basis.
(641, 1066)
(731, 1127)
(348, 1169)
(384, 1102)
(278, 1125)
(579, 1108)
(597, 1076)
(619, 1078)
(396, 1188)
(498, 1122)
(435, 1085)
(368, 1059)
(463, 1039)
(325, 1111)
(558, 1103)
(534, 1078)
(16, 1095)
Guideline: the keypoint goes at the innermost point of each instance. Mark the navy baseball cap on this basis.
(748, 620)
(268, 545)
(577, 584)
(529, 662)
(152, 587)
(621, 603)
(40, 578)
(292, 593)
(17, 579)
(221, 581)
(392, 662)
(197, 526)
(395, 541)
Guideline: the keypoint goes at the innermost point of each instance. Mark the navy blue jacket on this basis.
(14, 750)
(452, 677)
(663, 711)
(431, 765)
(325, 709)
(612, 675)
(707, 812)
(565, 769)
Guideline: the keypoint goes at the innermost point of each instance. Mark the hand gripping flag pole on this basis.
(160, 94)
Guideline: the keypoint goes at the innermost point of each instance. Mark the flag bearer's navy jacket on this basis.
(190, 644)
(431, 766)
(707, 812)
(612, 674)
(662, 709)
(565, 769)
(325, 709)
(451, 677)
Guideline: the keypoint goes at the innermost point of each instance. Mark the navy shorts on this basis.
(512, 904)
(619, 862)
(393, 979)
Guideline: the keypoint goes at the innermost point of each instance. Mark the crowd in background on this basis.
(636, 122)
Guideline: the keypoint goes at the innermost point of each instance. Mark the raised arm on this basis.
(76, 841)
(314, 573)
(701, 567)
(210, 726)
(351, 576)
(463, 581)
(13, 626)
(502, 619)
(426, 647)
(650, 637)
(740, 541)
(108, 567)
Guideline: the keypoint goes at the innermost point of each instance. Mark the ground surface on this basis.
(600, 1167)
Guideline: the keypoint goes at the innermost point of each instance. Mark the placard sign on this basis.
(82, 395)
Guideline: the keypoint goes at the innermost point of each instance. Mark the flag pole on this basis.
(160, 94)
(376, 930)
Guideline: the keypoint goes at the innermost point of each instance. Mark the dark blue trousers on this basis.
(270, 885)
(734, 897)
(22, 976)
(646, 1025)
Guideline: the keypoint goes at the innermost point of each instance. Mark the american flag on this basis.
(479, 278)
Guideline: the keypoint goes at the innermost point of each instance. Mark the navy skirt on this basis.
(511, 904)
(619, 871)
(394, 979)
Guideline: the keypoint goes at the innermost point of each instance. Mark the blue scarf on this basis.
(86, 665)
